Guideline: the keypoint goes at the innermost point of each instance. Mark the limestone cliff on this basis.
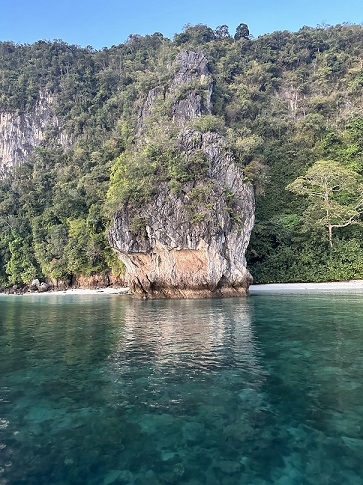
(190, 242)
(20, 133)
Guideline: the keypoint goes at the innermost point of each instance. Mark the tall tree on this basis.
(242, 32)
(335, 195)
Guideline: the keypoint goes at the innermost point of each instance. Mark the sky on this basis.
(110, 22)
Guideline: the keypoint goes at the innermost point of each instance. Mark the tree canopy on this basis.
(284, 101)
(335, 195)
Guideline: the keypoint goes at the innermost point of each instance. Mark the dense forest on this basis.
(290, 105)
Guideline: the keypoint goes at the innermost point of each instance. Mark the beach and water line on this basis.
(254, 289)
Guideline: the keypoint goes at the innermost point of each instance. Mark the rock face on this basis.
(192, 242)
(191, 70)
(97, 280)
(20, 133)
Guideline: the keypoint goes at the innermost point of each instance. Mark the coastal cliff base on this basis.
(182, 274)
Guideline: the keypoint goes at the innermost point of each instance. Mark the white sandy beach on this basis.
(254, 289)
(303, 287)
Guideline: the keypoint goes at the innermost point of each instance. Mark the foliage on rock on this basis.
(282, 101)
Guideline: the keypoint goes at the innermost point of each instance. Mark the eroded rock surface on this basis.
(21, 133)
(191, 242)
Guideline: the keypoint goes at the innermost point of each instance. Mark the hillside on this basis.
(86, 133)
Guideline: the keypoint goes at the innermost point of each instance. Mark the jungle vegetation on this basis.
(286, 102)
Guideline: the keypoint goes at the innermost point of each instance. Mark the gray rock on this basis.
(21, 133)
(187, 248)
(43, 287)
(34, 285)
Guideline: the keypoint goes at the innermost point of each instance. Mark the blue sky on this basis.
(107, 22)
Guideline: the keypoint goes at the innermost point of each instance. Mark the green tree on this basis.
(335, 195)
(21, 267)
(242, 32)
(222, 32)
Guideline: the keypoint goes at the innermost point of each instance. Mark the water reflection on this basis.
(205, 335)
(196, 359)
(114, 390)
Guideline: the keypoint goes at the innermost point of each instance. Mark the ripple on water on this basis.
(109, 390)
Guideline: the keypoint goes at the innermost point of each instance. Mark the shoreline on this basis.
(253, 289)
(75, 291)
(305, 287)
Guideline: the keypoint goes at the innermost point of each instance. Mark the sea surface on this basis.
(105, 389)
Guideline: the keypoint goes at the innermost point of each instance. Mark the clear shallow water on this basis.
(109, 390)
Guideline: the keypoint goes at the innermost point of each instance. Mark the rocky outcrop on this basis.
(191, 87)
(189, 242)
(98, 280)
(190, 71)
(20, 133)
(41, 287)
(176, 249)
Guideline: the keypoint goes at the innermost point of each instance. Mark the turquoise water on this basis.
(109, 390)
